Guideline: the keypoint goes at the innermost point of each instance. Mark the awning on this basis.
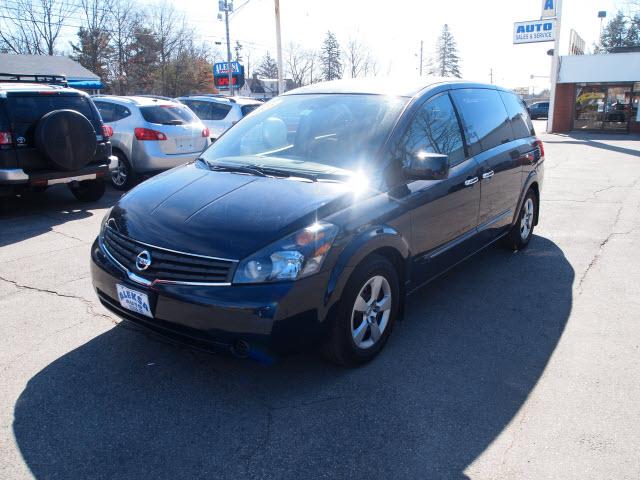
(85, 84)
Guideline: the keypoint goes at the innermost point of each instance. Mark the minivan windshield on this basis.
(323, 133)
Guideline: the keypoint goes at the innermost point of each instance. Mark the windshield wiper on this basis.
(227, 167)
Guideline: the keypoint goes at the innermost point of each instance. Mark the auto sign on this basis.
(534, 31)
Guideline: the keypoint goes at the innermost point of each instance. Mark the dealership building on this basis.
(598, 93)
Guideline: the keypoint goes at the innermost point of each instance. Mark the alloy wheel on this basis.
(526, 222)
(371, 311)
(119, 176)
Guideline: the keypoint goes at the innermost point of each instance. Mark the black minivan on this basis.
(310, 220)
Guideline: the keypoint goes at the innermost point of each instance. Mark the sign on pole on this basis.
(534, 31)
(548, 9)
(221, 75)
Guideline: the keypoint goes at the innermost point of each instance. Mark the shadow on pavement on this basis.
(455, 372)
(33, 213)
(596, 139)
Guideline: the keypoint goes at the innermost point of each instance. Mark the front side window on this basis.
(484, 117)
(107, 111)
(435, 129)
(316, 132)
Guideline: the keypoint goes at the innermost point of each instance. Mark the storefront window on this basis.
(589, 107)
(605, 107)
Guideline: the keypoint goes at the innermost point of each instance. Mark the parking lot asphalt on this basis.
(513, 365)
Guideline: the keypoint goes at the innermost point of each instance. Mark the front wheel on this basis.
(521, 233)
(88, 190)
(366, 315)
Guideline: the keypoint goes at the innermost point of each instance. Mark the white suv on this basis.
(217, 112)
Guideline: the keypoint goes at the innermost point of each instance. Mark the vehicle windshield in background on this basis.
(311, 132)
(167, 114)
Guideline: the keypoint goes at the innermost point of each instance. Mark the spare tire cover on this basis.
(66, 138)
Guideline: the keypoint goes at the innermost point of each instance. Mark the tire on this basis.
(124, 177)
(520, 234)
(66, 138)
(352, 340)
(88, 190)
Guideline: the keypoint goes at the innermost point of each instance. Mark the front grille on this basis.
(167, 265)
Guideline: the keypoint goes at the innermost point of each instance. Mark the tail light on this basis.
(107, 131)
(538, 143)
(148, 134)
(205, 133)
(6, 138)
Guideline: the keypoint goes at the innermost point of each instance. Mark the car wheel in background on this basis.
(366, 315)
(521, 233)
(123, 178)
(88, 190)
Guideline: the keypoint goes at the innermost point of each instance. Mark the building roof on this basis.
(610, 67)
(45, 65)
(404, 87)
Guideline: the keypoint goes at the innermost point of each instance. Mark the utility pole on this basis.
(279, 48)
(491, 76)
(421, 48)
(554, 67)
(226, 22)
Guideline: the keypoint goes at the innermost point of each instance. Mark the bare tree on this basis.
(94, 48)
(355, 55)
(299, 62)
(33, 26)
(170, 30)
(125, 19)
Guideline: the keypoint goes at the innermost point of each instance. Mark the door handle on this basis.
(470, 181)
(488, 174)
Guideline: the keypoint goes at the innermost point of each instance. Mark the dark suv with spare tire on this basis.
(51, 134)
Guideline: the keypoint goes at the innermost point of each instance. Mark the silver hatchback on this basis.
(150, 134)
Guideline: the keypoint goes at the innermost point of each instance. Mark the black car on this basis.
(311, 219)
(51, 134)
(539, 110)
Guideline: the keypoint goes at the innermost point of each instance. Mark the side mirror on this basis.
(427, 166)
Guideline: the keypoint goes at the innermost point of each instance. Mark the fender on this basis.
(532, 178)
(364, 243)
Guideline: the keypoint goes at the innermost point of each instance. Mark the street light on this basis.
(226, 6)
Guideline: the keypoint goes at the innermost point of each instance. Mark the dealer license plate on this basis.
(133, 300)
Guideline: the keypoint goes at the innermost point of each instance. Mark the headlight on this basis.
(296, 256)
(104, 221)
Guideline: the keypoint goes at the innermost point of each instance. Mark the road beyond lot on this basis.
(512, 366)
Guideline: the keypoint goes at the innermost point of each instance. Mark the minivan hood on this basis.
(223, 214)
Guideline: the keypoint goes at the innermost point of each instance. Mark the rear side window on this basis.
(435, 129)
(207, 110)
(518, 115)
(25, 111)
(484, 116)
(111, 112)
(247, 109)
(167, 114)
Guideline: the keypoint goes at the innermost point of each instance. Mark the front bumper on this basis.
(281, 317)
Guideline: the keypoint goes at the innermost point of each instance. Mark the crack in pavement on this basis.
(90, 306)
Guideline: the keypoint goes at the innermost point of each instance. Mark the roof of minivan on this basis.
(404, 87)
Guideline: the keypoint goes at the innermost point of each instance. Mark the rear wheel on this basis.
(123, 177)
(521, 233)
(367, 313)
(88, 190)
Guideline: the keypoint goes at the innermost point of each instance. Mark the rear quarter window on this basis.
(247, 109)
(168, 114)
(518, 115)
(484, 116)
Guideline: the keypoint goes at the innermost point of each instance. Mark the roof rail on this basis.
(29, 78)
